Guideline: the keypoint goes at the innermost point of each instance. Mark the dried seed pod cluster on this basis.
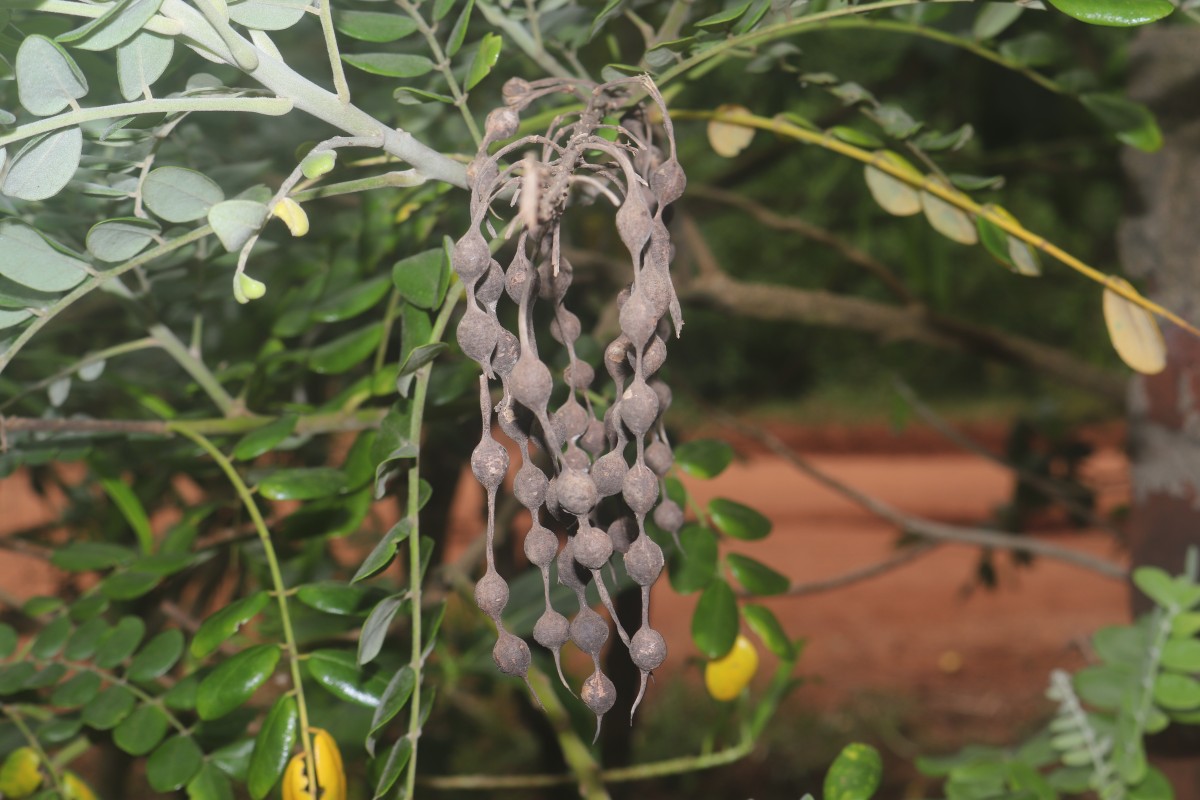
(622, 455)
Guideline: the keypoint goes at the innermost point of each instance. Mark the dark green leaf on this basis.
(264, 439)
(1115, 13)
(422, 279)
(173, 764)
(485, 59)
(766, 626)
(351, 301)
(995, 18)
(86, 638)
(234, 681)
(420, 356)
(332, 597)
(374, 630)
(855, 774)
(856, 137)
(704, 458)
(129, 584)
(396, 761)
(14, 676)
(272, 747)
(86, 609)
(755, 576)
(391, 65)
(715, 620)
(724, 17)
(46, 676)
(51, 638)
(217, 629)
(411, 96)
(458, 33)
(303, 483)
(106, 710)
(373, 26)
(383, 552)
(80, 556)
(120, 642)
(346, 352)
(1132, 123)
(38, 605)
(8, 640)
(395, 696)
(739, 521)
(695, 563)
(209, 784)
(234, 758)
(141, 731)
(158, 657)
(182, 696)
(337, 672)
(77, 691)
(60, 729)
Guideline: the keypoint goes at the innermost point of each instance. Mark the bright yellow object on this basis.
(75, 789)
(726, 676)
(20, 776)
(331, 774)
(292, 215)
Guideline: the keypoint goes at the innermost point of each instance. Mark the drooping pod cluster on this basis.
(603, 473)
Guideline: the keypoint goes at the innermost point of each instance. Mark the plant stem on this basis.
(270, 106)
(285, 619)
(416, 662)
(194, 366)
(328, 422)
(156, 24)
(443, 66)
(331, 48)
(90, 358)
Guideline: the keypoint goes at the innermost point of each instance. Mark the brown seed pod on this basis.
(531, 382)
(515, 420)
(489, 463)
(668, 516)
(511, 655)
(576, 459)
(640, 489)
(654, 356)
(565, 327)
(551, 286)
(530, 486)
(579, 375)
(608, 473)
(519, 273)
(508, 350)
(644, 561)
(567, 575)
(593, 440)
(593, 548)
(664, 395)
(659, 458)
(482, 172)
(637, 319)
(501, 123)
(633, 224)
(552, 629)
(589, 631)
(668, 182)
(615, 361)
(516, 92)
(576, 493)
(541, 545)
(622, 532)
(647, 649)
(471, 256)
(599, 695)
(488, 292)
(491, 594)
(478, 332)
(639, 407)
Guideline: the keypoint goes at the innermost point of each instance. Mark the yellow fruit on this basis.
(75, 789)
(331, 774)
(20, 776)
(726, 676)
(292, 215)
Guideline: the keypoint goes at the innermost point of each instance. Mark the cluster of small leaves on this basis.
(587, 453)
(1142, 682)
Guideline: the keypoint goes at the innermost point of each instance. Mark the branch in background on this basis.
(815, 233)
(903, 556)
(928, 528)
(313, 424)
(1040, 483)
(912, 323)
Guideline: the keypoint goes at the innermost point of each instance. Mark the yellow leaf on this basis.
(331, 773)
(726, 676)
(20, 776)
(726, 139)
(949, 220)
(292, 215)
(1134, 331)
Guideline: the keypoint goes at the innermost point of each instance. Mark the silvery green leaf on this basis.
(11, 318)
(44, 165)
(267, 15)
(141, 61)
(180, 195)
(235, 221)
(47, 78)
(58, 391)
(6, 118)
(122, 20)
(120, 239)
(263, 42)
(92, 370)
(33, 261)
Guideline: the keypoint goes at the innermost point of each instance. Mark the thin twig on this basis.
(905, 555)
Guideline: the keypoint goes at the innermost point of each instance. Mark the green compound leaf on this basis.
(219, 627)
(374, 26)
(704, 458)
(108, 709)
(755, 576)
(180, 195)
(122, 20)
(32, 260)
(338, 673)
(272, 747)
(332, 597)
(1115, 13)
(121, 239)
(174, 763)
(119, 643)
(382, 554)
(86, 638)
(390, 65)
(396, 761)
(422, 279)
(303, 483)
(51, 639)
(78, 691)
(141, 61)
(81, 556)
(352, 301)
(347, 351)
(458, 33)
(715, 620)
(157, 658)
(209, 784)
(374, 630)
(1104, 686)
(234, 681)
(127, 502)
(129, 585)
(44, 166)
(268, 15)
(855, 774)
(765, 625)
(485, 58)
(264, 439)
(694, 564)
(395, 697)
(1176, 692)
(8, 640)
(737, 520)
(141, 731)
(48, 79)
(1132, 123)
